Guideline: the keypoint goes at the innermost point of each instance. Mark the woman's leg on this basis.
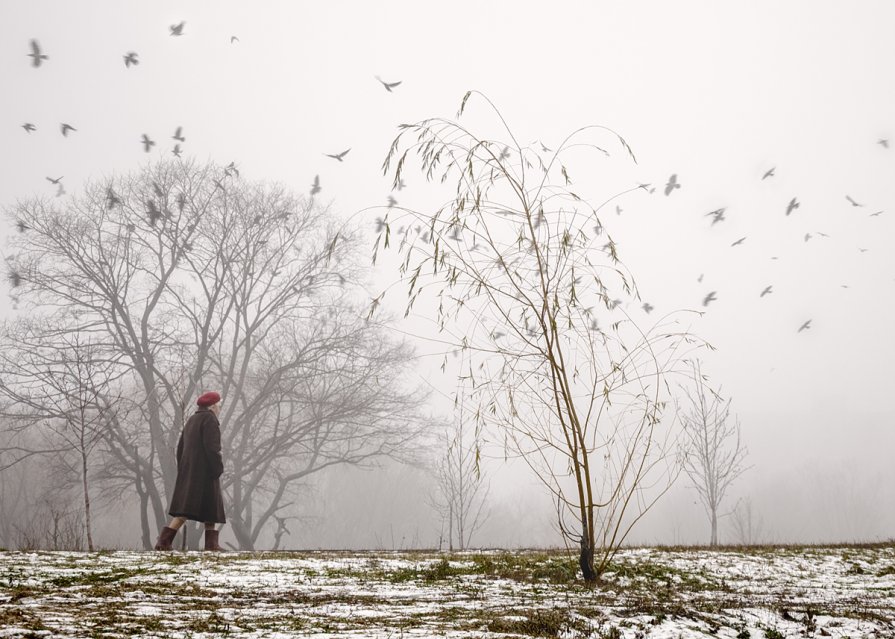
(177, 522)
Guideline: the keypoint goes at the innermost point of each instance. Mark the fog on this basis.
(714, 93)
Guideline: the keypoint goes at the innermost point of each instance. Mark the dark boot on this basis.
(165, 537)
(211, 540)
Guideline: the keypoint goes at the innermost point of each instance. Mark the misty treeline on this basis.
(145, 290)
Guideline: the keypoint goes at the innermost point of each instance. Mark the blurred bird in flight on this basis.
(388, 85)
(36, 56)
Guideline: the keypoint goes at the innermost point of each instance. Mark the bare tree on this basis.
(748, 525)
(17, 482)
(713, 454)
(37, 507)
(516, 263)
(192, 277)
(52, 523)
(461, 487)
(58, 381)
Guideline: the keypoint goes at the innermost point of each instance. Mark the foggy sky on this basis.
(715, 92)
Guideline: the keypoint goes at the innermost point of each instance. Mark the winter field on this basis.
(756, 592)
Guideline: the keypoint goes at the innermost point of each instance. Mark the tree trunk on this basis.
(586, 560)
(86, 501)
(145, 532)
(714, 541)
(451, 526)
(242, 533)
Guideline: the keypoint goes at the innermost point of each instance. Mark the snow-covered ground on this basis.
(656, 593)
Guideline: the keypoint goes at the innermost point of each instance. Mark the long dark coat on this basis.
(197, 492)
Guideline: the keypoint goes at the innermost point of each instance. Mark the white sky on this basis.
(717, 92)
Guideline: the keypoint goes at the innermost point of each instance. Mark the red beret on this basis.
(208, 399)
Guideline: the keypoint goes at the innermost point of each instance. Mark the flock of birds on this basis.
(131, 58)
(718, 216)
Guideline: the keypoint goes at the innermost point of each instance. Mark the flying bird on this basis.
(380, 225)
(851, 201)
(400, 185)
(618, 210)
(178, 135)
(804, 326)
(112, 199)
(315, 186)
(647, 307)
(177, 29)
(739, 241)
(176, 150)
(699, 279)
(718, 215)
(147, 143)
(29, 127)
(337, 156)
(66, 128)
(154, 213)
(233, 39)
(231, 168)
(15, 279)
(388, 85)
(792, 206)
(672, 184)
(22, 226)
(711, 297)
(769, 173)
(884, 143)
(391, 201)
(35, 55)
(504, 154)
(766, 291)
(130, 58)
(60, 190)
(807, 236)
(56, 181)
(877, 213)
(218, 184)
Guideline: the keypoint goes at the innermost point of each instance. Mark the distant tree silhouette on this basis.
(712, 452)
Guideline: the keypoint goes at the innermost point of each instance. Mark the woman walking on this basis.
(197, 491)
